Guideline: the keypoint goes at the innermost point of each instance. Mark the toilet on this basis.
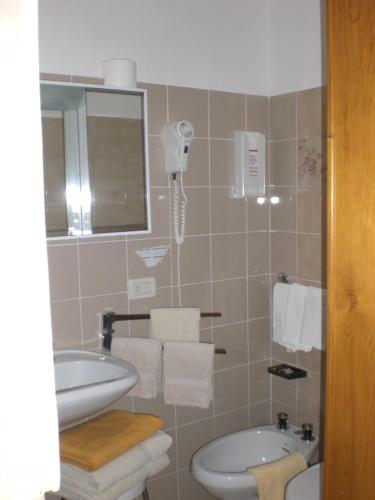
(307, 485)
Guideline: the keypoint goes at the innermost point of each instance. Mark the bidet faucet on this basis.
(282, 424)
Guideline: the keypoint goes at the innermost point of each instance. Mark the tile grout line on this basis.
(248, 332)
(79, 293)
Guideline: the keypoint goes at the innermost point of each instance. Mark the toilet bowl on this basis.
(221, 465)
(307, 485)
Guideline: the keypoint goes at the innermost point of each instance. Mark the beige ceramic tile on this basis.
(198, 167)
(139, 328)
(260, 381)
(227, 213)
(55, 77)
(138, 267)
(66, 324)
(197, 212)
(227, 114)
(258, 296)
(231, 389)
(231, 422)
(278, 407)
(283, 116)
(222, 163)
(191, 437)
(87, 79)
(194, 260)
(228, 256)
(229, 298)
(311, 162)
(158, 176)
(102, 268)
(260, 414)
(257, 114)
(163, 488)
(311, 262)
(308, 394)
(190, 488)
(281, 355)
(311, 117)
(313, 360)
(195, 295)
(156, 406)
(63, 272)
(159, 215)
(124, 403)
(284, 253)
(233, 338)
(259, 339)
(284, 391)
(91, 306)
(310, 210)
(191, 105)
(283, 209)
(257, 214)
(258, 253)
(283, 167)
(190, 414)
(157, 107)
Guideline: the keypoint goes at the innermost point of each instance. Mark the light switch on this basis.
(142, 288)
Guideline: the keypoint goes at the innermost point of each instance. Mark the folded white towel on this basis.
(294, 317)
(127, 464)
(280, 301)
(78, 492)
(175, 323)
(313, 319)
(187, 370)
(145, 355)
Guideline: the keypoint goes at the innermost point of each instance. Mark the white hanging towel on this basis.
(294, 317)
(187, 369)
(313, 319)
(175, 323)
(145, 355)
(280, 301)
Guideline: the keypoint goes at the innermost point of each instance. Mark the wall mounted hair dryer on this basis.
(176, 138)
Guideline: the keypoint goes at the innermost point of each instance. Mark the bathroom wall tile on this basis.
(231, 389)
(228, 256)
(227, 114)
(310, 259)
(283, 116)
(280, 354)
(310, 210)
(259, 339)
(233, 338)
(258, 253)
(102, 268)
(190, 414)
(260, 414)
(257, 114)
(124, 403)
(91, 306)
(284, 391)
(313, 360)
(195, 295)
(222, 163)
(259, 381)
(194, 260)
(278, 407)
(139, 328)
(283, 162)
(231, 422)
(156, 406)
(284, 209)
(191, 105)
(157, 106)
(55, 77)
(229, 298)
(87, 79)
(160, 222)
(284, 253)
(66, 324)
(197, 173)
(227, 214)
(308, 394)
(158, 176)
(257, 214)
(191, 437)
(311, 162)
(163, 488)
(190, 488)
(197, 213)
(310, 117)
(258, 296)
(63, 272)
(137, 267)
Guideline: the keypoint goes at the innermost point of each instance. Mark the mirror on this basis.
(95, 159)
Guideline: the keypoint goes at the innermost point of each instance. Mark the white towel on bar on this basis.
(294, 317)
(313, 318)
(175, 323)
(280, 301)
(187, 373)
(145, 355)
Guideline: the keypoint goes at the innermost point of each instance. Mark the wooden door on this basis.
(350, 391)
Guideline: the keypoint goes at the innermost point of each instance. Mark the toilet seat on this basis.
(307, 485)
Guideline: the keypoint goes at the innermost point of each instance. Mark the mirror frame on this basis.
(115, 90)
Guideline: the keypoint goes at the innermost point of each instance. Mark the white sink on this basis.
(86, 382)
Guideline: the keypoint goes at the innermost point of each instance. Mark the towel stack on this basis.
(298, 316)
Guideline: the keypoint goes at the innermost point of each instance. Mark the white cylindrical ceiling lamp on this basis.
(120, 73)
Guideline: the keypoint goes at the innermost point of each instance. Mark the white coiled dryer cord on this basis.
(179, 225)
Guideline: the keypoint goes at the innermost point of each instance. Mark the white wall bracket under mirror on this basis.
(95, 157)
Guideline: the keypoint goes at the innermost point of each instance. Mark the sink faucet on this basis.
(107, 320)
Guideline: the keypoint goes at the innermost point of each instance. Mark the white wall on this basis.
(295, 58)
(216, 44)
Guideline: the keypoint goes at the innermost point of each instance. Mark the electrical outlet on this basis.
(142, 288)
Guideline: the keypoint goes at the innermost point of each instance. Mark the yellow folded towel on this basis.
(272, 478)
(104, 438)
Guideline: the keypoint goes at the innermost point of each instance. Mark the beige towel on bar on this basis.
(273, 478)
(187, 377)
(145, 355)
(175, 323)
